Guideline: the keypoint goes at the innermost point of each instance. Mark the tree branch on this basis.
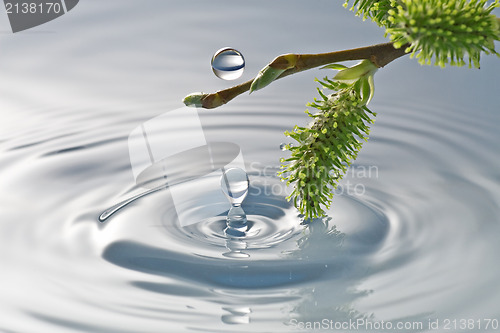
(380, 55)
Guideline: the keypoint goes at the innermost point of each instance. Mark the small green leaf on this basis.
(372, 88)
(337, 67)
(365, 91)
(266, 75)
(365, 67)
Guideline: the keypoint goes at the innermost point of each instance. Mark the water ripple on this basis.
(422, 218)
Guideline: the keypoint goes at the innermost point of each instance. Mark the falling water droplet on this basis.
(234, 184)
(228, 63)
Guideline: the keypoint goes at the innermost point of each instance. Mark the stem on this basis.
(380, 55)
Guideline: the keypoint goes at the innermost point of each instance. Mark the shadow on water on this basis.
(211, 272)
(317, 279)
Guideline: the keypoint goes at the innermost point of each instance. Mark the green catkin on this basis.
(443, 32)
(377, 11)
(326, 148)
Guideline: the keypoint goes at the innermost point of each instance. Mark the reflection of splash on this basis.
(236, 247)
(237, 315)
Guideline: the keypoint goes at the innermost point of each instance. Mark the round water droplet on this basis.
(228, 63)
(234, 184)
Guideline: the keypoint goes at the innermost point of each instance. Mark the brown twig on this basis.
(380, 55)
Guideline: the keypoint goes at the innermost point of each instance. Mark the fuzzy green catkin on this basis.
(445, 31)
(326, 148)
(377, 11)
(438, 31)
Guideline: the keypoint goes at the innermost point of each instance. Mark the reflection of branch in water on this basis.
(332, 295)
(329, 300)
(319, 239)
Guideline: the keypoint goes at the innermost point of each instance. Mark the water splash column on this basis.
(234, 184)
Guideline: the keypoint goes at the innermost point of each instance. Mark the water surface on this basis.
(412, 235)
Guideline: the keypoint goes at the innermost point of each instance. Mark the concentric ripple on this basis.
(412, 234)
(413, 213)
(271, 220)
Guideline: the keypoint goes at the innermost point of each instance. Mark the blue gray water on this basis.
(412, 235)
